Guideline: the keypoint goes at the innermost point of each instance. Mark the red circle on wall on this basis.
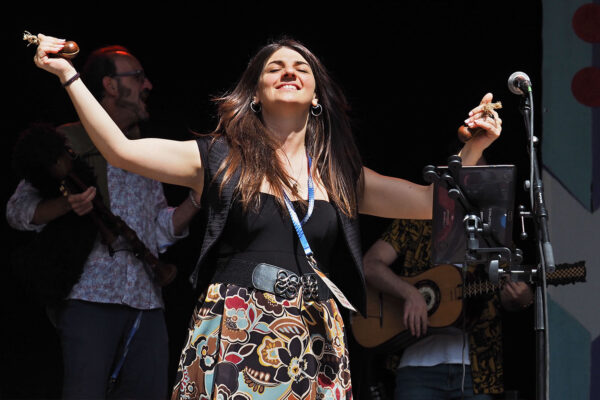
(586, 22)
(586, 86)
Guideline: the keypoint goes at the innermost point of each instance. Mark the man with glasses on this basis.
(112, 326)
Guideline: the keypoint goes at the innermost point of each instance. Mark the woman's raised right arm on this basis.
(169, 161)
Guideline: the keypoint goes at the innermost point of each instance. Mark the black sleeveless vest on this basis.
(346, 270)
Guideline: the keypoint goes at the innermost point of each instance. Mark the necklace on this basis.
(311, 197)
(295, 176)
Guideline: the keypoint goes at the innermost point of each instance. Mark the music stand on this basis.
(473, 212)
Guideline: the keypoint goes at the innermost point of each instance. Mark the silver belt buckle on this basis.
(287, 284)
(310, 287)
(284, 283)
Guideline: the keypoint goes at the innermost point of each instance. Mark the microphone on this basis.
(519, 83)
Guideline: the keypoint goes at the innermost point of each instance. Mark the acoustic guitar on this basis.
(442, 287)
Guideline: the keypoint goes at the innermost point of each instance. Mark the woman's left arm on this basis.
(388, 197)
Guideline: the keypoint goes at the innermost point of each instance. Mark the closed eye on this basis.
(277, 65)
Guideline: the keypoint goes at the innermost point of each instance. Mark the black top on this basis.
(346, 262)
(269, 236)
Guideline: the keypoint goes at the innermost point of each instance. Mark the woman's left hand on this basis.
(490, 126)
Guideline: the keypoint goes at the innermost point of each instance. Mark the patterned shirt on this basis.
(411, 239)
(120, 278)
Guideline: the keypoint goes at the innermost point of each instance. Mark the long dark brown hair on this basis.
(329, 139)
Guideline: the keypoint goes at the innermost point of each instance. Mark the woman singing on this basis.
(282, 185)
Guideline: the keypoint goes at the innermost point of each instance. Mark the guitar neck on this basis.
(383, 326)
(563, 274)
(478, 288)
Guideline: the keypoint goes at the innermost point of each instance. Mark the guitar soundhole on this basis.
(431, 294)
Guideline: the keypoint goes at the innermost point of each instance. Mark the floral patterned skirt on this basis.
(248, 344)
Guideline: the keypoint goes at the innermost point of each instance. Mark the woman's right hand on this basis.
(43, 59)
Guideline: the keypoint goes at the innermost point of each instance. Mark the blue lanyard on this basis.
(134, 328)
(295, 220)
(309, 254)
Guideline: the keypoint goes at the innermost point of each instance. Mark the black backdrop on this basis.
(411, 71)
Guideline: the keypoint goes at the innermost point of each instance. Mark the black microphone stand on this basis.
(539, 216)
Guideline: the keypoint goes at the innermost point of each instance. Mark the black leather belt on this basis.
(272, 279)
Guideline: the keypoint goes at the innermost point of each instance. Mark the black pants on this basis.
(93, 336)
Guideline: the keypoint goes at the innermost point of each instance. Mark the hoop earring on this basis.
(316, 110)
(255, 107)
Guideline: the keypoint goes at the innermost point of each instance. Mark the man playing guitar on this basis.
(453, 362)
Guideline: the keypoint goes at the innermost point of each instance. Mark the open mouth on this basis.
(289, 86)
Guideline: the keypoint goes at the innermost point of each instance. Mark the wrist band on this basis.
(71, 80)
(194, 203)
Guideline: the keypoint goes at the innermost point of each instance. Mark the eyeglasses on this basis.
(138, 74)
